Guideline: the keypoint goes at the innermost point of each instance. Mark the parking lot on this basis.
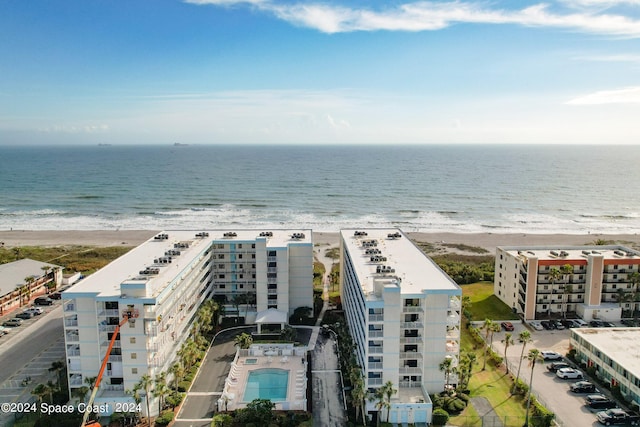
(550, 390)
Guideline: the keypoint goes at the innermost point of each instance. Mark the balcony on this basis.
(374, 365)
(107, 328)
(452, 347)
(412, 309)
(411, 325)
(376, 318)
(376, 334)
(410, 355)
(115, 358)
(109, 313)
(71, 353)
(70, 322)
(70, 307)
(375, 350)
(374, 381)
(116, 344)
(72, 337)
(272, 292)
(411, 370)
(411, 340)
(149, 312)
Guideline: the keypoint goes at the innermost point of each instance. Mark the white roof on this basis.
(621, 345)
(106, 281)
(13, 274)
(417, 272)
(621, 253)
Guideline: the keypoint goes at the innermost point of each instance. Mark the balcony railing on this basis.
(410, 340)
(109, 313)
(376, 318)
(70, 322)
(375, 381)
(412, 309)
(72, 338)
(70, 307)
(374, 365)
(107, 328)
(411, 325)
(115, 357)
(411, 370)
(410, 355)
(375, 350)
(71, 353)
(376, 334)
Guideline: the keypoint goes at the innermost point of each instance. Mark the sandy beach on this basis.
(488, 241)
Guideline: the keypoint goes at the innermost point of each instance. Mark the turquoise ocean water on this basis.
(507, 189)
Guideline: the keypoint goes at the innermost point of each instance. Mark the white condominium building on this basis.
(162, 283)
(593, 282)
(403, 312)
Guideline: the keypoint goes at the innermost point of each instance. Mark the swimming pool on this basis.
(267, 384)
(250, 361)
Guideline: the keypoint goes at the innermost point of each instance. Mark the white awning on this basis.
(272, 316)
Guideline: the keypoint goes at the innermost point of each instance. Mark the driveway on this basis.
(328, 407)
(199, 405)
(551, 391)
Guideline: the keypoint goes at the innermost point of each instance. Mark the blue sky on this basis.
(337, 71)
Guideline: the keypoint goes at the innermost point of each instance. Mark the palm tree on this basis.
(534, 356)
(446, 366)
(491, 329)
(58, 367)
(40, 391)
(566, 271)
(80, 393)
(160, 390)
(487, 326)
(381, 403)
(622, 297)
(358, 394)
(472, 358)
(525, 338)
(243, 340)
(145, 384)
(554, 276)
(178, 372)
(388, 391)
(507, 341)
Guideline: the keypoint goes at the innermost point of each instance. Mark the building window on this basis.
(239, 245)
(221, 276)
(239, 256)
(241, 266)
(253, 256)
(242, 276)
(253, 246)
(220, 246)
(253, 276)
(134, 370)
(134, 355)
(220, 256)
(271, 253)
(220, 265)
(132, 340)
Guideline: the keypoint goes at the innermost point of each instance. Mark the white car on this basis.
(550, 355)
(36, 311)
(567, 373)
(536, 325)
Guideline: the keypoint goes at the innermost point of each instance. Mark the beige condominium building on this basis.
(592, 282)
(403, 312)
(162, 282)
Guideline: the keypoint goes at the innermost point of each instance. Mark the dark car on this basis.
(55, 295)
(568, 323)
(547, 324)
(43, 301)
(596, 324)
(599, 401)
(617, 417)
(553, 367)
(583, 387)
(24, 315)
(507, 326)
(13, 322)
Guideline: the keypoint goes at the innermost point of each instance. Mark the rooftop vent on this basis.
(162, 260)
(181, 245)
(298, 236)
(554, 253)
(161, 236)
(360, 233)
(395, 235)
(586, 253)
(172, 252)
(564, 253)
(230, 234)
(369, 243)
(266, 234)
(374, 251)
(202, 234)
(150, 271)
(619, 253)
(378, 258)
(384, 269)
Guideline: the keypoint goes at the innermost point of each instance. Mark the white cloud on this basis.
(430, 16)
(630, 95)
(75, 129)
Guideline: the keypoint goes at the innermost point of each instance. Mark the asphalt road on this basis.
(328, 406)
(25, 342)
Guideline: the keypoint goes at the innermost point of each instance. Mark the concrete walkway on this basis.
(485, 411)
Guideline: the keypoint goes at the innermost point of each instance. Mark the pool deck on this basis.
(268, 356)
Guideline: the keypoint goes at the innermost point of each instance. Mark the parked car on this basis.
(35, 310)
(551, 355)
(13, 322)
(548, 324)
(43, 301)
(536, 325)
(507, 326)
(553, 367)
(3, 331)
(617, 416)
(630, 322)
(569, 323)
(599, 401)
(558, 324)
(55, 295)
(608, 325)
(25, 315)
(582, 387)
(568, 373)
(596, 324)
(580, 323)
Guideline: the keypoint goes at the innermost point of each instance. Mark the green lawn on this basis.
(484, 304)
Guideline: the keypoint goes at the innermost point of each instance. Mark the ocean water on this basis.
(435, 188)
